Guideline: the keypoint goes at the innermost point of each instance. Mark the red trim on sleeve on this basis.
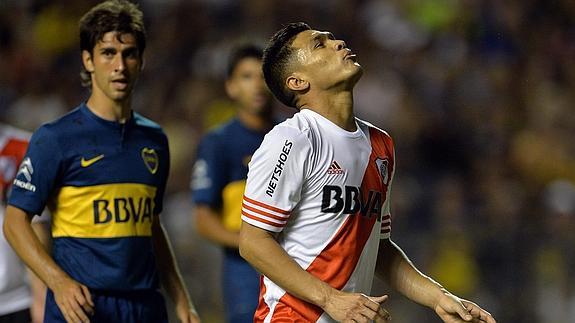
(269, 207)
(264, 213)
(277, 225)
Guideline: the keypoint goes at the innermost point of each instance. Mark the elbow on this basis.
(201, 229)
(243, 252)
(15, 221)
(7, 229)
(254, 243)
(243, 246)
(200, 225)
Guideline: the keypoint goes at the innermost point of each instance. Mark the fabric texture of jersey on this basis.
(103, 183)
(14, 292)
(221, 168)
(218, 180)
(326, 191)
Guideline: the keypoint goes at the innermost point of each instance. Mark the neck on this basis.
(254, 121)
(118, 111)
(336, 107)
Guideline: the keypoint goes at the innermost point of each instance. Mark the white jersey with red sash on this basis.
(14, 292)
(326, 192)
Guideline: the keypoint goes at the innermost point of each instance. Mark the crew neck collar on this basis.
(329, 124)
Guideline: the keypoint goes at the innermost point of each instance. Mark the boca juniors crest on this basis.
(383, 169)
(150, 158)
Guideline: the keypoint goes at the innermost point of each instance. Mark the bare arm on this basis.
(73, 299)
(37, 287)
(209, 226)
(263, 252)
(170, 275)
(394, 267)
(397, 270)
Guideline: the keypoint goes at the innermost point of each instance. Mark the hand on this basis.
(187, 314)
(74, 301)
(452, 309)
(353, 307)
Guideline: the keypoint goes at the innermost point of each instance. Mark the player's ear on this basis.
(87, 61)
(295, 82)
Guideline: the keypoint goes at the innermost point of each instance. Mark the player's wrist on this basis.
(439, 295)
(57, 280)
(325, 296)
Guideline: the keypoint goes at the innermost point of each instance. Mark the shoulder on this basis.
(296, 126)
(371, 127)
(216, 134)
(296, 129)
(374, 131)
(62, 126)
(214, 140)
(148, 126)
(55, 136)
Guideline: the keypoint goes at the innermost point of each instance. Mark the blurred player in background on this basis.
(219, 176)
(21, 296)
(102, 170)
(316, 209)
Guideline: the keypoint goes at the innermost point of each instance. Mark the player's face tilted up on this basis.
(323, 61)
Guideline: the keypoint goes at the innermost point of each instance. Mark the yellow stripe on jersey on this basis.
(232, 196)
(103, 211)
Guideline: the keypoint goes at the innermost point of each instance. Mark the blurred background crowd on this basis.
(479, 97)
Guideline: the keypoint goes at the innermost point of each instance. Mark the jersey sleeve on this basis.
(275, 178)
(164, 160)
(208, 175)
(38, 173)
(385, 232)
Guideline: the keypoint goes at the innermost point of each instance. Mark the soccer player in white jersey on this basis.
(316, 215)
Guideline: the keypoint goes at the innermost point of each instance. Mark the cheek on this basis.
(136, 68)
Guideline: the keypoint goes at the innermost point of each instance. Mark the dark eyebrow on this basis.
(322, 36)
(107, 49)
(111, 48)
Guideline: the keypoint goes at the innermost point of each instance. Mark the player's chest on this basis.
(352, 181)
(136, 160)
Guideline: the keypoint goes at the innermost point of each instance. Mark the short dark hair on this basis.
(277, 57)
(119, 16)
(242, 52)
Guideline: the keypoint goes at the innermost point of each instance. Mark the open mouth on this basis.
(350, 56)
(120, 83)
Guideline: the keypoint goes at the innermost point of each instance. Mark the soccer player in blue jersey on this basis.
(219, 176)
(101, 169)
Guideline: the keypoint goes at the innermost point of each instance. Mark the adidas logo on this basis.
(335, 169)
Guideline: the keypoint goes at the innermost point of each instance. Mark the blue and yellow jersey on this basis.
(221, 168)
(103, 183)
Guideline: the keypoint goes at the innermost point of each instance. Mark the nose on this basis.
(120, 64)
(340, 44)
